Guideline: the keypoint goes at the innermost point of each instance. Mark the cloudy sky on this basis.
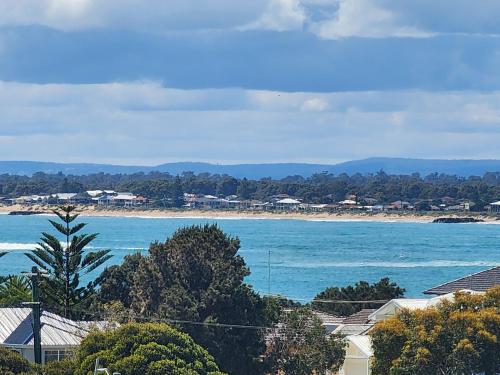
(228, 81)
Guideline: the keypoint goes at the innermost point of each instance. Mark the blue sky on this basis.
(145, 82)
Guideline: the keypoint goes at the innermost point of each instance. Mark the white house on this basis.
(357, 356)
(495, 207)
(59, 335)
(288, 204)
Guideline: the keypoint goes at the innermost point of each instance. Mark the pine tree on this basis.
(65, 262)
(177, 193)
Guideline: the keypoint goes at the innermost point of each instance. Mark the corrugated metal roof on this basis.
(16, 328)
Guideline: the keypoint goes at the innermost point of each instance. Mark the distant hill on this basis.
(273, 170)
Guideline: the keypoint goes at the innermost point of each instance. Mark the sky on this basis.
(231, 81)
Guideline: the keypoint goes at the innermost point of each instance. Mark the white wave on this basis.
(10, 246)
(428, 264)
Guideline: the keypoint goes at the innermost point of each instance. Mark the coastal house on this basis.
(400, 205)
(124, 200)
(494, 207)
(64, 198)
(287, 204)
(348, 204)
(476, 282)
(59, 336)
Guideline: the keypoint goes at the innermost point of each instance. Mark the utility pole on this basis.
(36, 313)
(269, 272)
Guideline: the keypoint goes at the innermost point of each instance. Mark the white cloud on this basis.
(364, 18)
(280, 15)
(314, 104)
(144, 122)
(138, 15)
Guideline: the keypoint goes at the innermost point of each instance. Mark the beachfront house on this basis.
(348, 204)
(287, 204)
(59, 336)
(494, 207)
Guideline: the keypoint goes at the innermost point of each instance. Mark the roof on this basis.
(288, 201)
(361, 317)
(123, 197)
(353, 329)
(65, 196)
(363, 343)
(328, 319)
(479, 282)
(347, 201)
(495, 203)
(16, 328)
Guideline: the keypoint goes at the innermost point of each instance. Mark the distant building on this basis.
(494, 207)
(287, 204)
(60, 336)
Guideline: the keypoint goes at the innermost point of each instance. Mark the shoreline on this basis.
(92, 211)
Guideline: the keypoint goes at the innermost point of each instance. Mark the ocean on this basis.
(302, 257)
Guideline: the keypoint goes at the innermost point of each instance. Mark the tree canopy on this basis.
(382, 290)
(66, 261)
(196, 275)
(144, 348)
(458, 337)
(12, 362)
(165, 189)
(299, 346)
(14, 290)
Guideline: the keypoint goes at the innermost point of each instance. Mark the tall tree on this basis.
(177, 193)
(66, 262)
(197, 275)
(300, 346)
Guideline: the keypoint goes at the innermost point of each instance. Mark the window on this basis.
(55, 355)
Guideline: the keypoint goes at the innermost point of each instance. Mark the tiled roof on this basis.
(478, 282)
(361, 317)
(327, 318)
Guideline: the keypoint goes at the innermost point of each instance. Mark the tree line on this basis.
(164, 189)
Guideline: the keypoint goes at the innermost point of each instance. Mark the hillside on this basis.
(274, 170)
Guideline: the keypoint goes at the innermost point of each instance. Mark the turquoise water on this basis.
(305, 256)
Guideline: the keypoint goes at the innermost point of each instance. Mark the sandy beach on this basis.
(233, 214)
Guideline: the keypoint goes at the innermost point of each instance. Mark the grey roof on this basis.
(478, 282)
(16, 328)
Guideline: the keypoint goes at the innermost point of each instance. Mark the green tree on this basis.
(12, 362)
(177, 196)
(197, 275)
(145, 348)
(244, 189)
(455, 337)
(382, 290)
(62, 291)
(300, 346)
(15, 290)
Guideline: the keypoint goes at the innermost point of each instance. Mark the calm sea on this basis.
(303, 257)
